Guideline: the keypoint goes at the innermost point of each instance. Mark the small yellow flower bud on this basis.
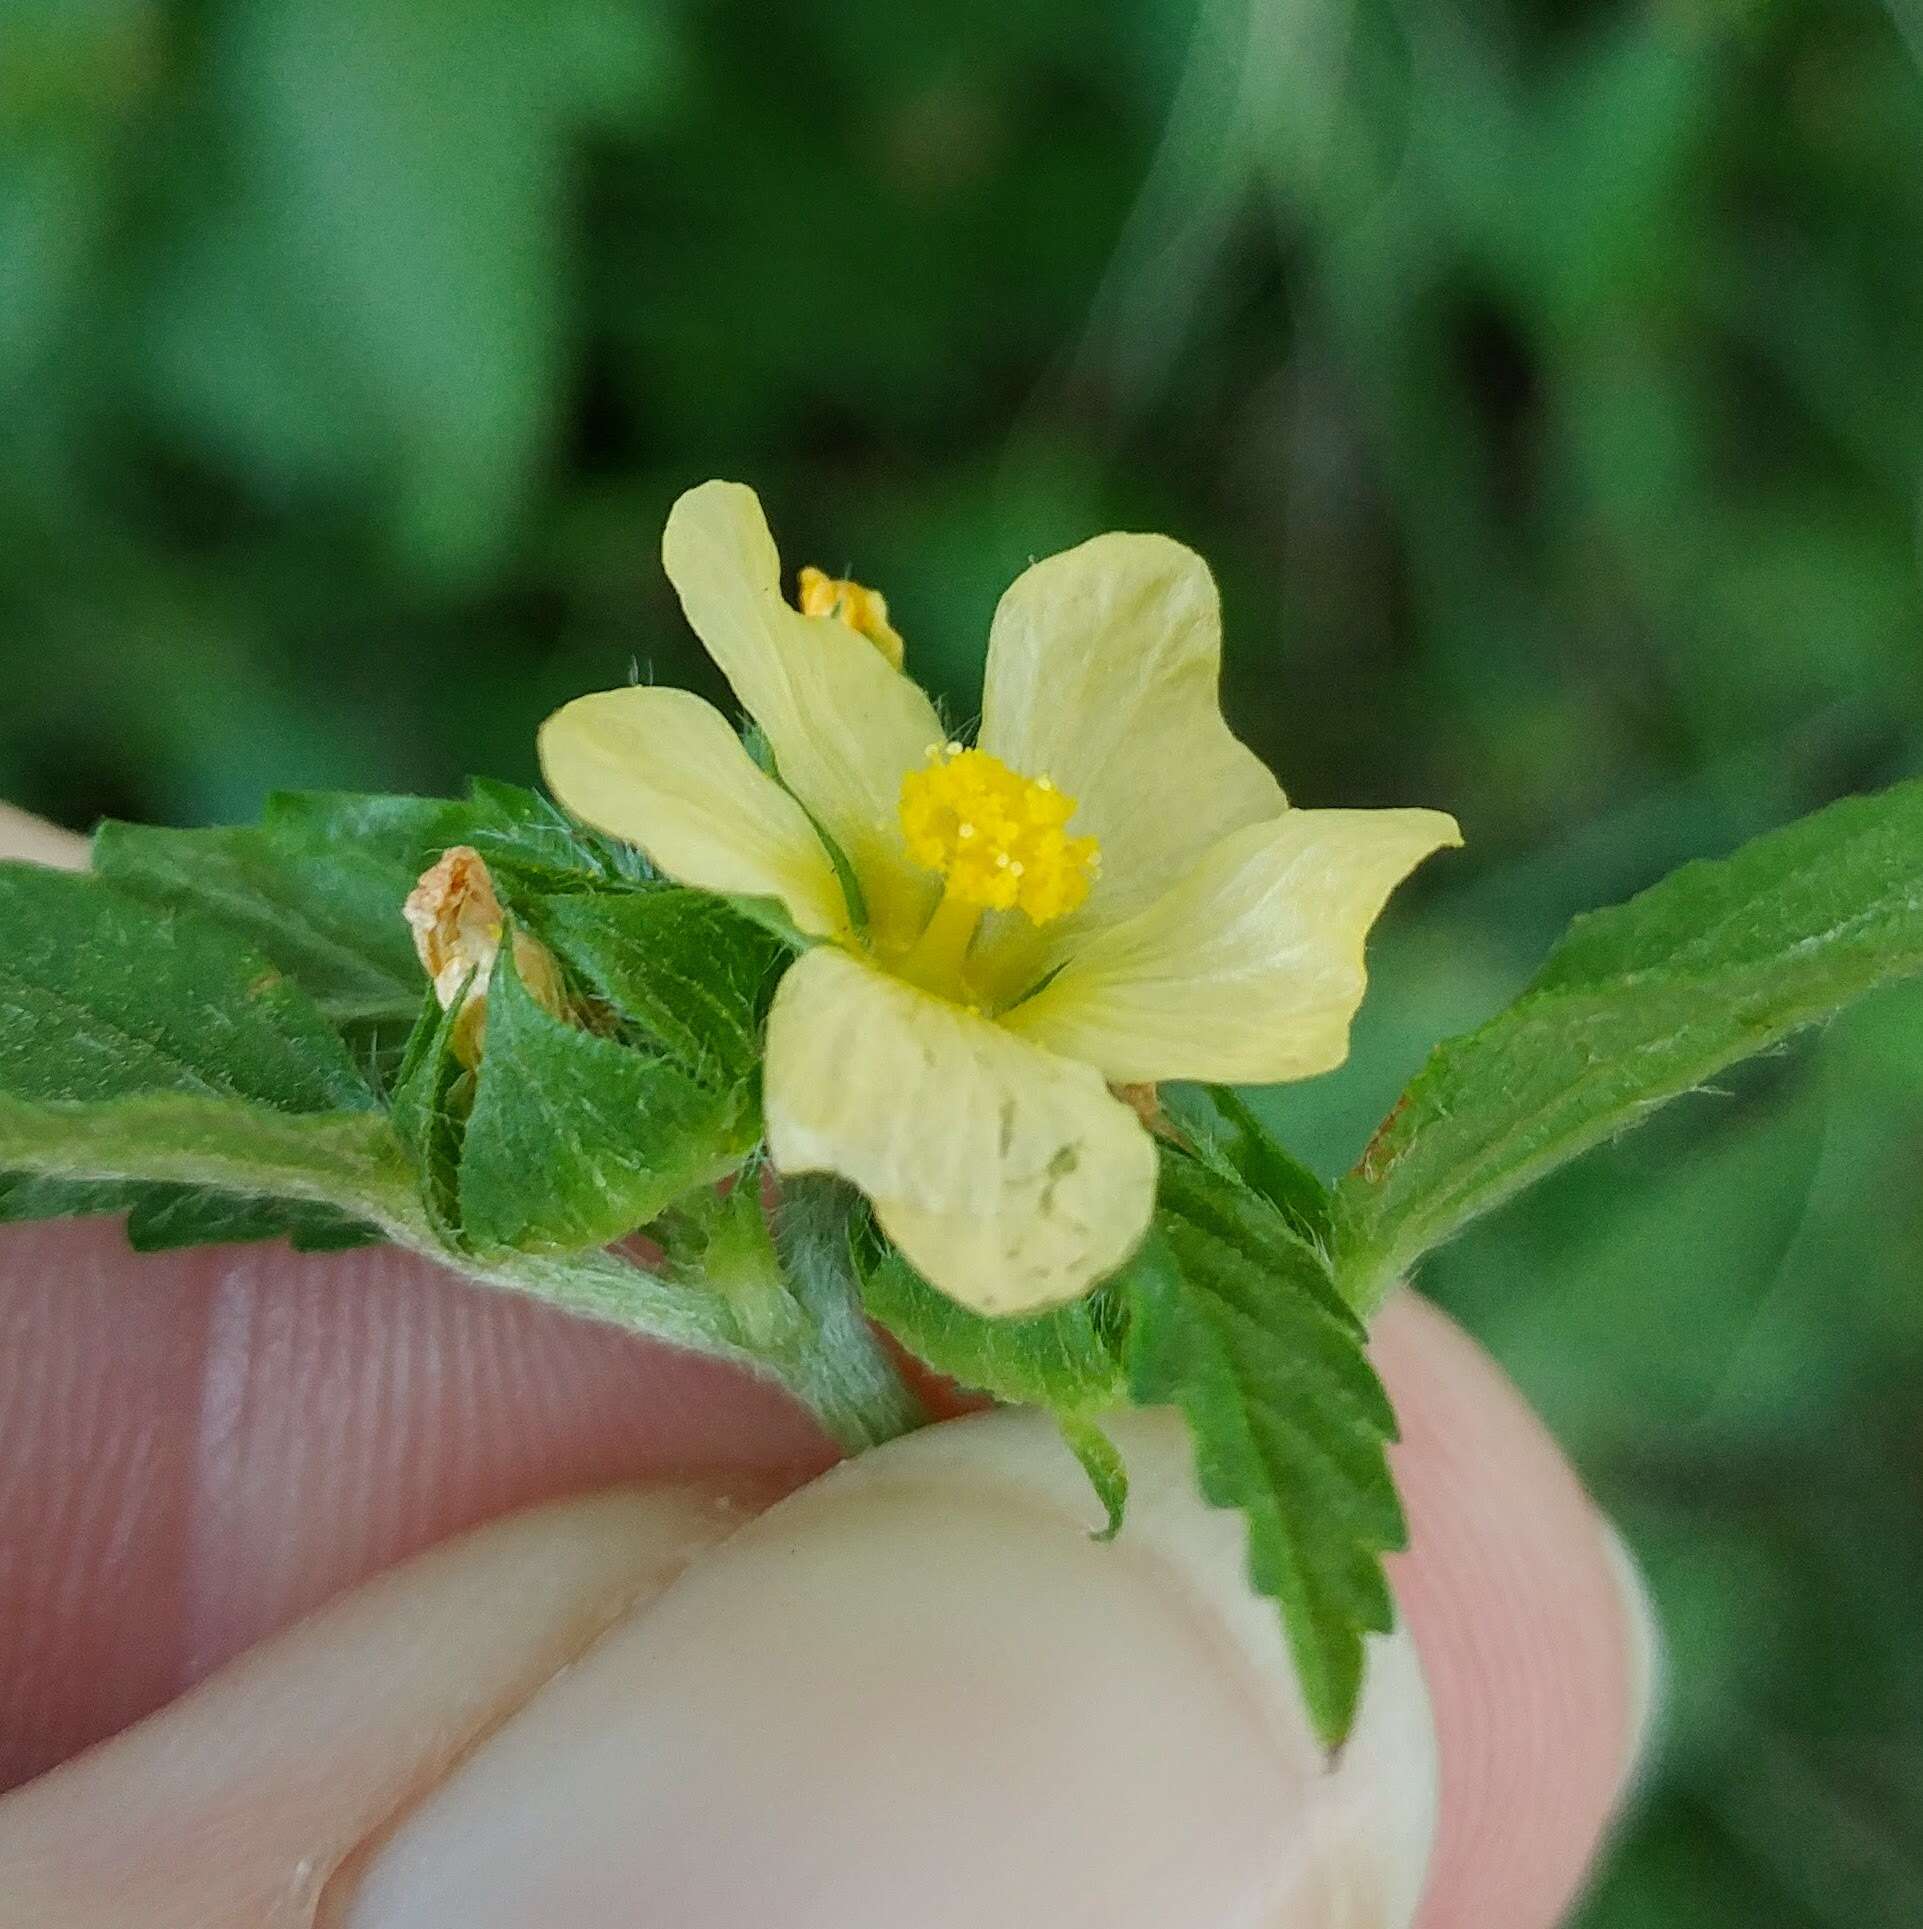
(865, 611)
(457, 922)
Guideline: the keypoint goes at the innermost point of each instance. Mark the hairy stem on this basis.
(823, 1354)
(831, 1363)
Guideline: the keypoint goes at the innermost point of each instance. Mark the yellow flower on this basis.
(1109, 890)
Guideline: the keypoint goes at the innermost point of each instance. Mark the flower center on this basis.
(863, 610)
(997, 839)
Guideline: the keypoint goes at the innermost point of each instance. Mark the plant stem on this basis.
(833, 1365)
(824, 1355)
(848, 1381)
(848, 1373)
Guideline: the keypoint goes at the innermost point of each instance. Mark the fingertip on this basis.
(201, 1446)
(1539, 1664)
(917, 1691)
(1648, 1662)
(235, 1806)
(1535, 1635)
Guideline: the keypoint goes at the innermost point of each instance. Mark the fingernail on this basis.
(1644, 1633)
(918, 1692)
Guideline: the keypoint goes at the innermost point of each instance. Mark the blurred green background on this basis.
(1541, 377)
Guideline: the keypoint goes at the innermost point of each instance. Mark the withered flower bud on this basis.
(457, 921)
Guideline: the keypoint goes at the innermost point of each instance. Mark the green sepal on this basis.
(1067, 1359)
(719, 1242)
(684, 970)
(576, 1140)
(771, 916)
(431, 1097)
(846, 876)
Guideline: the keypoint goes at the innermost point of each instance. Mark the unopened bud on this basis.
(457, 921)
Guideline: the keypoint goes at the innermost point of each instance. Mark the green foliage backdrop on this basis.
(1542, 379)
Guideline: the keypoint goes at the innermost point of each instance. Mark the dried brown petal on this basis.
(456, 917)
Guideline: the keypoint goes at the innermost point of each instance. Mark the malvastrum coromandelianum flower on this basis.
(1105, 889)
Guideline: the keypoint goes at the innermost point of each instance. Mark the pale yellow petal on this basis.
(663, 770)
(844, 725)
(1104, 665)
(1249, 969)
(1008, 1177)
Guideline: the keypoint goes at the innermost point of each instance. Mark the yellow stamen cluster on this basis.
(865, 611)
(998, 839)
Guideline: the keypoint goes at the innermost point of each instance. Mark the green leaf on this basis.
(1217, 1121)
(1236, 1321)
(685, 969)
(1102, 1462)
(1067, 1359)
(316, 887)
(162, 1217)
(318, 884)
(106, 1005)
(1637, 1005)
(100, 998)
(348, 1160)
(33, 1195)
(527, 837)
(575, 1140)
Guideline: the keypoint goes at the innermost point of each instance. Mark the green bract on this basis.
(226, 1035)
